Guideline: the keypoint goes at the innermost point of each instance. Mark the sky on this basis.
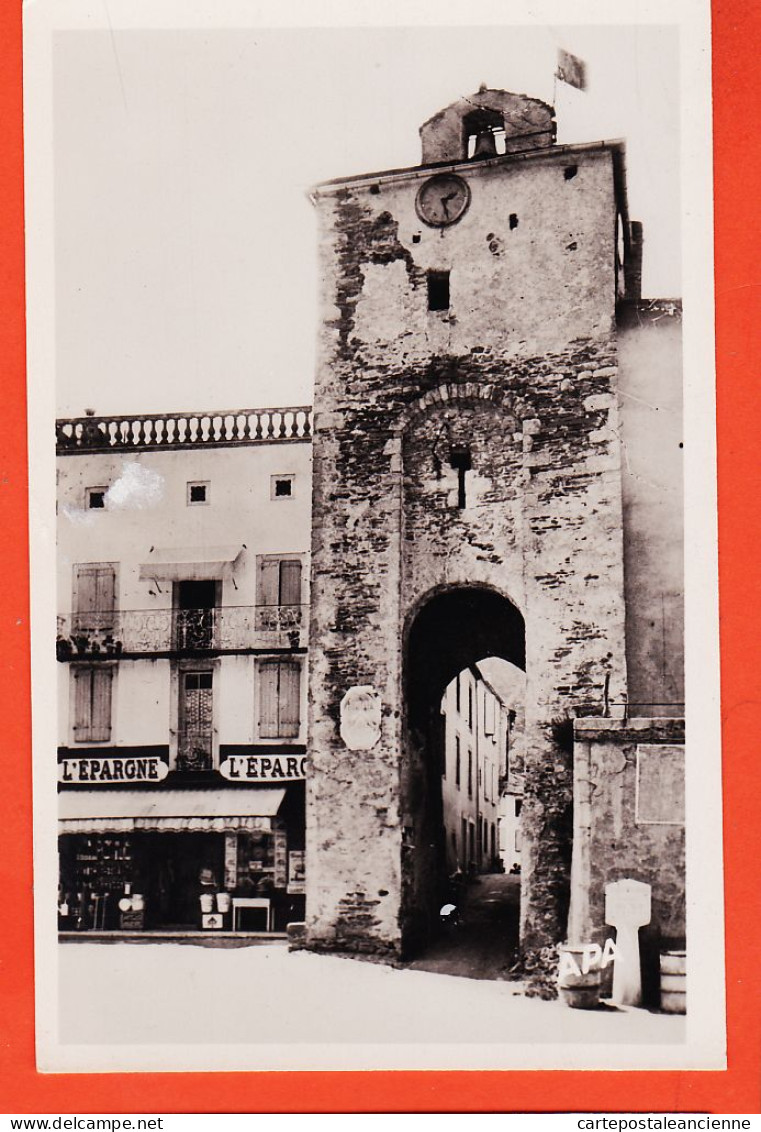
(185, 241)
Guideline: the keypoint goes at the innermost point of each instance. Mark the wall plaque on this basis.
(361, 718)
(660, 784)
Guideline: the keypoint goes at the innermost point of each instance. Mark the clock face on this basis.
(442, 200)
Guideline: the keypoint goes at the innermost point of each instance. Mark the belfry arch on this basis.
(451, 630)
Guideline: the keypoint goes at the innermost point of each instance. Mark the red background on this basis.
(737, 103)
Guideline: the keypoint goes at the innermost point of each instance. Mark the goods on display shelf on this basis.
(170, 882)
(255, 863)
(95, 873)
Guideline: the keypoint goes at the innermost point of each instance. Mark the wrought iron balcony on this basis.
(194, 750)
(184, 430)
(104, 634)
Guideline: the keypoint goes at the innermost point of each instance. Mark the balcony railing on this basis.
(145, 631)
(194, 750)
(183, 430)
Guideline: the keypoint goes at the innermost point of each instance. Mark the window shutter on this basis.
(290, 582)
(490, 707)
(105, 589)
(290, 699)
(101, 704)
(268, 698)
(94, 595)
(82, 704)
(84, 595)
(269, 582)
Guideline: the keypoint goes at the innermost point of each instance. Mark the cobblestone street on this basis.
(484, 944)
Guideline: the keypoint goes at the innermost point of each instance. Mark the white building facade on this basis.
(183, 567)
(474, 771)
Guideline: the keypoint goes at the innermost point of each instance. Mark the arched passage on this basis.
(450, 632)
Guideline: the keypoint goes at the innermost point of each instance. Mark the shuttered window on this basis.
(279, 699)
(94, 597)
(280, 581)
(290, 582)
(289, 700)
(269, 582)
(490, 713)
(92, 703)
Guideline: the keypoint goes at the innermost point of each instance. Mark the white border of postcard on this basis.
(704, 1047)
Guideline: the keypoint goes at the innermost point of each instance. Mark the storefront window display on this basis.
(250, 881)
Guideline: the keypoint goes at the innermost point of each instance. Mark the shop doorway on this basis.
(177, 868)
(464, 667)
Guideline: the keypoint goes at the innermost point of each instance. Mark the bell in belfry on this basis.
(485, 144)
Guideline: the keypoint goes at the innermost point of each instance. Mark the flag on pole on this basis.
(571, 70)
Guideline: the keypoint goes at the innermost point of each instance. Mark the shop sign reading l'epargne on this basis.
(264, 768)
(238, 768)
(147, 768)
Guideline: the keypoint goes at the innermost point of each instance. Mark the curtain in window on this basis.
(194, 750)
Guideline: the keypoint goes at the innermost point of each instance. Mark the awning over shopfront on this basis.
(180, 564)
(171, 811)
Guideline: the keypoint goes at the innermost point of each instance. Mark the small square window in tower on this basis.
(438, 290)
(96, 498)
(282, 487)
(198, 493)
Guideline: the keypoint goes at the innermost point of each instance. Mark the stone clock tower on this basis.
(467, 498)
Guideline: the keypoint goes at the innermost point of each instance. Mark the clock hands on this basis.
(445, 201)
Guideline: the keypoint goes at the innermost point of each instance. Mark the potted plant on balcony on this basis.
(63, 648)
(81, 643)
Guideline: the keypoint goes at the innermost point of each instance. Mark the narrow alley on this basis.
(483, 945)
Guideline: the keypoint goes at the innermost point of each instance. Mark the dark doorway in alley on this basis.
(461, 781)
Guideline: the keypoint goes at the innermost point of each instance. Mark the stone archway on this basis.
(450, 630)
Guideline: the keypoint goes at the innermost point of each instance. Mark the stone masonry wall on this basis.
(650, 406)
(522, 369)
(629, 819)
